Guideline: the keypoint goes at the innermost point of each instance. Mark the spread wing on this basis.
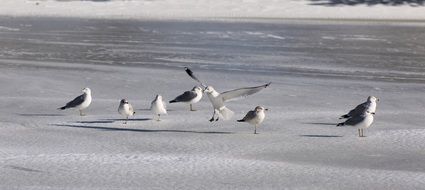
(185, 97)
(75, 102)
(190, 73)
(242, 92)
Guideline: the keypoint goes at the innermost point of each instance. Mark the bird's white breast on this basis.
(366, 122)
(158, 107)
(86, 103)
(215, 100)
(197, 98)
(124, 110)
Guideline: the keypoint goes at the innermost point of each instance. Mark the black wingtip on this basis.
(344, 116)
(241, 120)
(172, 101)
(188, 71)
(62, 108)
(340, 124)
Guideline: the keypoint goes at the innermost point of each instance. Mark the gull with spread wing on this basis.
(218, 99)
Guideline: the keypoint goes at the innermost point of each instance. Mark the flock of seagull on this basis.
(360, 117)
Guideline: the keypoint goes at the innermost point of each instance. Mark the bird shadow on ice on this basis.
(321, 123)
(22, 168)
(40, 114)
(141, 130)
(112, 120)
(321, 136)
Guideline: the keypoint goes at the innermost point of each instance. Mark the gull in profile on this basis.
(255, 117)
(369, 105)
(125, 109)
(81, 102)
(217, 99)
(190, 97)
(158, 106)
(361, 122)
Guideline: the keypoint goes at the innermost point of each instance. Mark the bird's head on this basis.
(197, 89)
(260, 109)
(209, 89)
(124, 101)
(86, 90)
(372, 99)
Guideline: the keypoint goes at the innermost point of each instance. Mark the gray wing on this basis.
(249, 116)
(75, 102)
(355, 120)
(242, 92)
(358, 110)
(185, 97)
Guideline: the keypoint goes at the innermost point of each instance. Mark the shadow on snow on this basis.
(141, 130)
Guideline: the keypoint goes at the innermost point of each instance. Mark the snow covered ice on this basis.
(318, 70)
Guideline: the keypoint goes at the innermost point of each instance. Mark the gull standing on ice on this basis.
(217, 99)
(255, 117)
(125, 109)
(190, 97)
(361, 121)
(81, 102)
(369, 105)
(158, 106)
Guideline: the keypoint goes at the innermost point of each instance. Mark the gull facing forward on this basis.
(158, 107)
(125, 109)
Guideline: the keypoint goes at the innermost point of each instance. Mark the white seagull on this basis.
(81, 102)
(125, 109)
(369, 105)
(217, 99)
(255, 117)
(361, 121)
(190, 97)
(158, 106)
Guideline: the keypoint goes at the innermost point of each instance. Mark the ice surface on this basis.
(314, 79)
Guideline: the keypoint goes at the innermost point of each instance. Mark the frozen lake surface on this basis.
(318, 69)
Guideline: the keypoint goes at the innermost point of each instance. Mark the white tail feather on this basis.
(226, 113)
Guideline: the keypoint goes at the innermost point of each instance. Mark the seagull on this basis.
(125, 109)
(255, 117)
(190, 97)
(81, 102)
(217, 99)
(158, 106)
(361, 121)
(369, 105)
